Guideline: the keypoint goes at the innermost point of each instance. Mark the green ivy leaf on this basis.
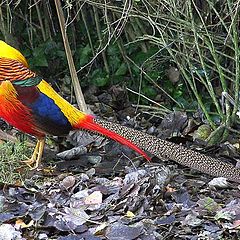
(85, 55)
(100, 78)
(101, 81)
(150, 91)
(122, 70)
(39, 58)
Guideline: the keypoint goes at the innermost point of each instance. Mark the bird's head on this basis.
(6, 51)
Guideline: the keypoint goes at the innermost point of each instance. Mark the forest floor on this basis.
(102, 190)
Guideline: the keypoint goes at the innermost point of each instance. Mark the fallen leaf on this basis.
(236, 224)
(118, 231)
(19, 224)
(8, 232)
(72, 153)
(130, 214)
(192, 220)
(207, 205)
(68, 182)
(100, 228)
(93, 198)
(219, 182)
(75, 215)
(170, 189)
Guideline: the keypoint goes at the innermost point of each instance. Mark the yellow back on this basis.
(73, 115)
(6, 51)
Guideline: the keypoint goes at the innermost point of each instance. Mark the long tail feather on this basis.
(177, 153)
(90, 124)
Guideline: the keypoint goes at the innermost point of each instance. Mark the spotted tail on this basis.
(182, 155)
(89, 124)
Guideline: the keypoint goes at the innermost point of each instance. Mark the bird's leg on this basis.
(32, 160)
(37, 154)
(40, 152)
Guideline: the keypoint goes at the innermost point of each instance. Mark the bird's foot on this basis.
(30, 162)
(35, 160)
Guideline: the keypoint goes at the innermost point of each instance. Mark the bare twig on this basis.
(78, 91)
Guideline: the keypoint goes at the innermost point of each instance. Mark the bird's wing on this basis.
(48, 116)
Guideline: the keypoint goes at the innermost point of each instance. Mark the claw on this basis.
(37, 154)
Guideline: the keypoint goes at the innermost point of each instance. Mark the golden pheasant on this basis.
(30, 104)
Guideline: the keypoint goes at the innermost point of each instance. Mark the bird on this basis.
(30, 104)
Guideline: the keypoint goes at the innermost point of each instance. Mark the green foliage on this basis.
(39, 57)
(99, 78)
(83, 55)
(200, 38)
(122, 70)
(210, 205)
(46, 56)
(11, 155)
